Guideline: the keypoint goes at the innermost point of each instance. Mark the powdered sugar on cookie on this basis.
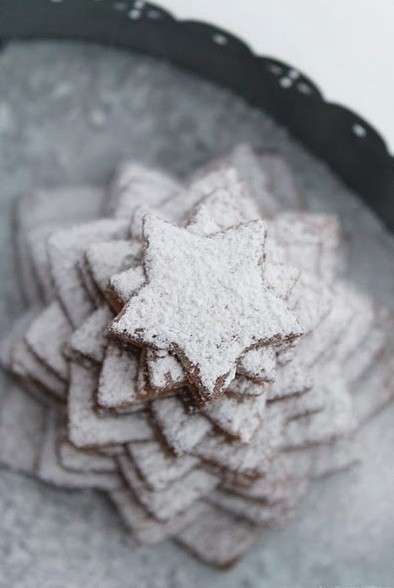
(208, 313)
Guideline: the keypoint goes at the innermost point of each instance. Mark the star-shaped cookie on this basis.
(205, 301)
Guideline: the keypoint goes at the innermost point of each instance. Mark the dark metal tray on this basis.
(354, 149)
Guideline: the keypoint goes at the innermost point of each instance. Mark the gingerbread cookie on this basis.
(236, 372)
(89, 341)
(50, 469)
(65, 249)
(46, 337)
(210, 361)
(88, 429)
(145, 528)
(157, 466)
(174, 499)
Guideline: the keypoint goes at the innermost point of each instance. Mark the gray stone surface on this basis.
(69, 113)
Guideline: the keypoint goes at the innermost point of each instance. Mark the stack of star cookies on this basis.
(193, 349)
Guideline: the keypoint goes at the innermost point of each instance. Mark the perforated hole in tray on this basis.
(359, 130)
(220, 39)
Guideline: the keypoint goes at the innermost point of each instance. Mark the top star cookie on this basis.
(205, 301)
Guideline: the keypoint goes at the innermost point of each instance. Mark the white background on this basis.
(345, 46)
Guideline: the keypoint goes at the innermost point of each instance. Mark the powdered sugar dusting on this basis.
(185, 269)
(86, 427)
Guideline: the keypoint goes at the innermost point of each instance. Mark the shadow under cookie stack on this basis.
(191, 349)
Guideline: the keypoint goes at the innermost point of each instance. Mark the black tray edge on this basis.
(348, 143)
